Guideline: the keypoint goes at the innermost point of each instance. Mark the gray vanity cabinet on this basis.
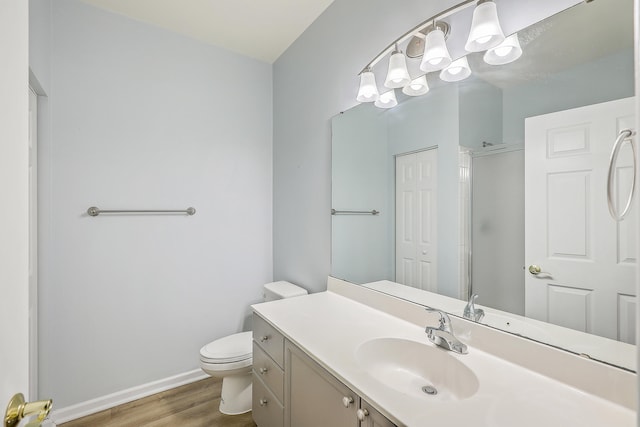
(315, 398)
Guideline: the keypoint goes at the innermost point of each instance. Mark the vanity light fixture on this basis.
(397, 75)
(417, 86)
(485, 30)
(436, 55)
(428, 40)
(507, 51)
(387, 99)
(458, 70)
(368, 91)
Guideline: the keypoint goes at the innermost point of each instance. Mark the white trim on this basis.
(33, 244)
(82, 409)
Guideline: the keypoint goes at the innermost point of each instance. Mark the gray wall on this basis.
(314, 80)
(589, 84)
(480, 113)
(498, 231)
(143, 118)
(40, 44)
(423, 122)
(361, 249)
(365, 143)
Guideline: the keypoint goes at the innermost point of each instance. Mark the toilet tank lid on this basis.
(229, 348)
(285, 289)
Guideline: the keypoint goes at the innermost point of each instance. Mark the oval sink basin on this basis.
(418, 370)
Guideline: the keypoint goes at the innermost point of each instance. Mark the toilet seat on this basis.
(229, 350)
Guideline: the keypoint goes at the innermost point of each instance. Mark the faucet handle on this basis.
(470, 310)
(470, 307)
(445, 321)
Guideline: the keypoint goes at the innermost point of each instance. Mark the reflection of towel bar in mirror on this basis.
(94, 211)
(335, 212)
(624, 135)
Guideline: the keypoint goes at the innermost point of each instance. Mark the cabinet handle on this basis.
(264, 338)
(263, 402)
(347, 401)
(361, 414)
(263, 371)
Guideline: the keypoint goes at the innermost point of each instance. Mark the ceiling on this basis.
(259, 29)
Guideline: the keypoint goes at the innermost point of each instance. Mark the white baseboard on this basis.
(82, 409)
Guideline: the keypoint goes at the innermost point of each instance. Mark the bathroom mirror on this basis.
(472, 227)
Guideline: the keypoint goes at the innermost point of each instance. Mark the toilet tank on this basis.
(282, 289)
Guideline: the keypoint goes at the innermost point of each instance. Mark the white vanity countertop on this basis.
(330, 328)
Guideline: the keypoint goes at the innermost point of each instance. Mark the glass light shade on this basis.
(458, 70)
(417, 87)
(507, 51)
(387, 100)
(436, 55)
(368, 91)
(398, 75)
(485, 30)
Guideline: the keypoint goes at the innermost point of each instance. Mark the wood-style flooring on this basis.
(191, 405)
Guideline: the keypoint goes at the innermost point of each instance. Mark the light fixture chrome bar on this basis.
(94, 211)
(416, 30)
(335, 212)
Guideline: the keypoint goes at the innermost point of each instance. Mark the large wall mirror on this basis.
(496, 185)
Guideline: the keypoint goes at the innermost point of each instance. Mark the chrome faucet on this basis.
(471, 312)
(442, 336)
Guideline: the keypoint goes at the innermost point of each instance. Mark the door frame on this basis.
(14, 186)
(33, 242)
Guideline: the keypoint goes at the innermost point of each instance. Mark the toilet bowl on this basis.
(231, 357)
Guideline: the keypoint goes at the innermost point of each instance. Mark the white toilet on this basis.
(231, 358)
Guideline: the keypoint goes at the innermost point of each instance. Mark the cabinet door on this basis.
(313, 397)
(371, 417)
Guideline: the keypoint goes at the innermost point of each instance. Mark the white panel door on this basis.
(587, 260)
(405, 220)
(416, 220)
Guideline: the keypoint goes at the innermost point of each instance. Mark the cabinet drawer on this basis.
(270, 340)
(265, 368)
(267, 410)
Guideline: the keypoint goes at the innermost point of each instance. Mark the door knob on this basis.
(535, 269)
(18, 409)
